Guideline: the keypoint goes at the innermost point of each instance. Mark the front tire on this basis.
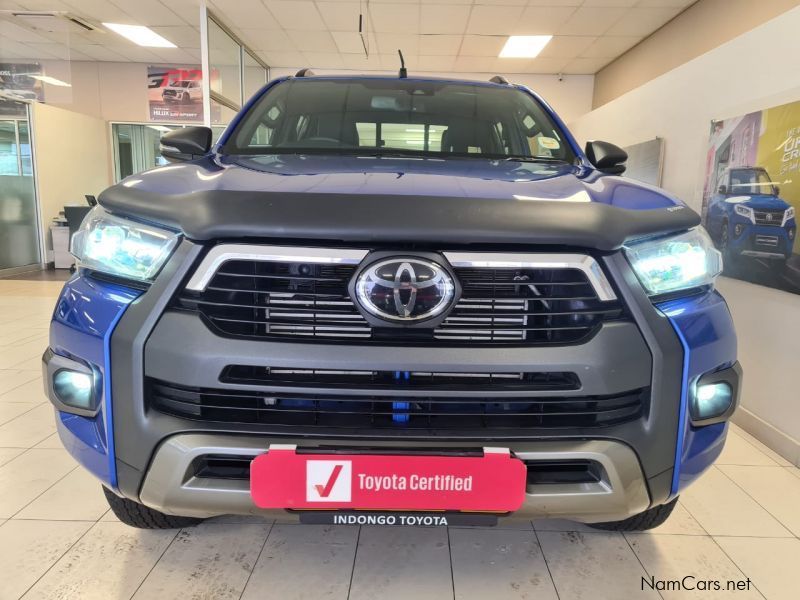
(142, 517)
(652, 517)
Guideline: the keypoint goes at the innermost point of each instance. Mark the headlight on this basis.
(120, 247)
(745, 211)
(788, 215)
(680, 262)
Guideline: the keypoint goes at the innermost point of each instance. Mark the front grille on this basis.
(302, 301)
(385, 412)
(767, 240)
(769, 217)
(402, 380)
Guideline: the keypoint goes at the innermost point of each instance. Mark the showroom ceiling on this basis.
(435, 35)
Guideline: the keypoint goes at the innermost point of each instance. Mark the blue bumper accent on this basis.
(84, 319)
(705, 328)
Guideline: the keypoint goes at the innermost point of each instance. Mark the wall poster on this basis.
(19, 82)
(751, 194)
(175, 93)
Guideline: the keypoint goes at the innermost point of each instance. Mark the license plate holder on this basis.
(493, 482)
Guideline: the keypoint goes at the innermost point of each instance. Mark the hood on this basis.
(355, 198)
(759, 201)
(368, 175)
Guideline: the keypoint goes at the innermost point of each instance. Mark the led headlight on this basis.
(120, 247)
(788, 215)
(675, 263)
(745, 211)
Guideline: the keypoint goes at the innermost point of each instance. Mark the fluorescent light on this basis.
(524, 46)
(141, 35)
(51, 80)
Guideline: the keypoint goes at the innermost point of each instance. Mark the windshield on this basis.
(399, 117)
(751, 181)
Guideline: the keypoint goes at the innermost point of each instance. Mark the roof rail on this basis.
(499, 79)
(304, 73)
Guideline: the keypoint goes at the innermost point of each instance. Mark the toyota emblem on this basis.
(404, 289)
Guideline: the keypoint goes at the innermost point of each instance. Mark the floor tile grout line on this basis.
(34, 407)
(781, 523)
(738, 567)
(57, 560)
(64, 476)
(639, 560)
(450, 556)
(544, 558)
(754, 438)
(353, 569)
(155, 563)
(696, 520)
(258, 558)
(16, 387)
(758, 450)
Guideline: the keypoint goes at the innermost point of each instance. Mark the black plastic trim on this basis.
(220, 214)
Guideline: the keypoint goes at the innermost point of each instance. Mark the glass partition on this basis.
(255, 76)
(136, 147)
(235, 72)
(19, 228)
(224, 59)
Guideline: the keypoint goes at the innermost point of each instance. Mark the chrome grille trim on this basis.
(225, 252)
(502, 260)
(346, 256)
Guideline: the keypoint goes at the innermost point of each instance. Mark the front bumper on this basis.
(666, 350)
(762, 241)
(173, 486)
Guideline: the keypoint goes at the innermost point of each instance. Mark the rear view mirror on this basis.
(606, 157)
(723, 189)
(187, 143)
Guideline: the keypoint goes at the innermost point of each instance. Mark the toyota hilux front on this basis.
(397, 301)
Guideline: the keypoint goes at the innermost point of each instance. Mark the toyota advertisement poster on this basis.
(752, 193)
(175, 94)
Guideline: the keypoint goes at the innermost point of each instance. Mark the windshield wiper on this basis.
(535, 159)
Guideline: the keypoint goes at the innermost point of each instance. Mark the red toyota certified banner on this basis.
(494, 482)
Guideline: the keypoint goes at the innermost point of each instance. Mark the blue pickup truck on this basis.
(747, 217)
(383, 294)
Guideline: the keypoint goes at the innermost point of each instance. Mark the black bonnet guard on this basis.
(222, 214)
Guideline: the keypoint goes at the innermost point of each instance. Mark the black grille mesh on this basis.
(376, 411)
(283, 300)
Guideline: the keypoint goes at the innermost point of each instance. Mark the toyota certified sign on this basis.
(492, 482)
(404, 289)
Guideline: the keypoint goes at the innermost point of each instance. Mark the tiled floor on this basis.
(58, 540)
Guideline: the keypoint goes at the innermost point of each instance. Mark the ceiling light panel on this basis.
(140, 35)
(524, 46)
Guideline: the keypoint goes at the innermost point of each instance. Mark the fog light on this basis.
(737, 230)
(74, 389)
(791, 234)
(711, 400)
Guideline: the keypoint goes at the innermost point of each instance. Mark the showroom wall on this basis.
(569, 95)
(700, 28)
(80, 166)
(114, 91)
(679, 107)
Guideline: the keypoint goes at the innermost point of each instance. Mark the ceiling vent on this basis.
(55, 22)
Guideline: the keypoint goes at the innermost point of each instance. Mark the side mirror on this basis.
(607, 157)
(723, 189)
(777, 190)
(187, 143)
